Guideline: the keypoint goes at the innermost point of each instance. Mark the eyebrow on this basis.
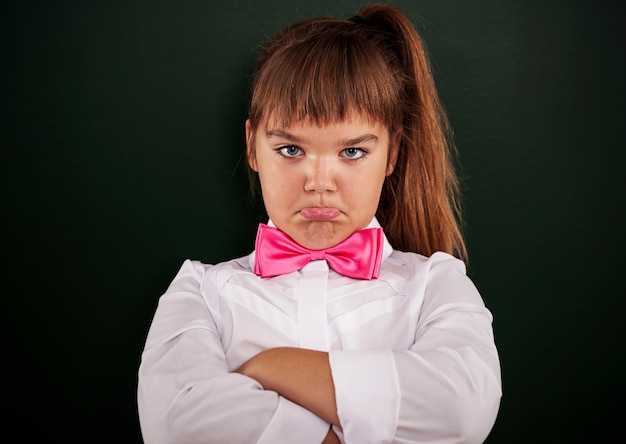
(359, 140)
(278, 134)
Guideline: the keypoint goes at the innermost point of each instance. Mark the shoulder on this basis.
(440, 276)
(448, 281)
(195, 274)
(416, 266)
(191, 301)
(418, 262)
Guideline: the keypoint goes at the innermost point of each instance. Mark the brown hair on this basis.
(375, 64)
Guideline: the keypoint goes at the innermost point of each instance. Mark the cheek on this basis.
(275, 177)
(363, 190)
(277, 185)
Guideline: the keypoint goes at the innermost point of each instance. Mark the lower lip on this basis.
(320, 213)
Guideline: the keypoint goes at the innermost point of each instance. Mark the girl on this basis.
(352, 321)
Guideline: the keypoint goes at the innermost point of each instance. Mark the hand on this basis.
(331, 437)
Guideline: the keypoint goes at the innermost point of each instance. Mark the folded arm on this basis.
(300, 375)
(187, 391)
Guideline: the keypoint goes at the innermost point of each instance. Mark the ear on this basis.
(250, 151)
(394, 148)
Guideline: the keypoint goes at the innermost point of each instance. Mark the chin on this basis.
(320, 236)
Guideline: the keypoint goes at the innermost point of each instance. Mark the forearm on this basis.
(212, 402)
(300, 375)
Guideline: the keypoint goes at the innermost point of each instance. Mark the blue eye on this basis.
(289, 151)
(353, 153)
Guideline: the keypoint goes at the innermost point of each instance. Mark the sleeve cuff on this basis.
(293, 423)
(367, 394)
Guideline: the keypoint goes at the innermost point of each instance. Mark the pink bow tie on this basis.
(357, 257)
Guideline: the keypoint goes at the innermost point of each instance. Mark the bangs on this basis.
(329, 75)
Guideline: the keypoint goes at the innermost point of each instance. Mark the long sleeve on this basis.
(445, 388)
(187, 391)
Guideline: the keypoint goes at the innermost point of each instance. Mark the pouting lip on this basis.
(320, 213)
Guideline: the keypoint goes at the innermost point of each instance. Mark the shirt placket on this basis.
(312, 317)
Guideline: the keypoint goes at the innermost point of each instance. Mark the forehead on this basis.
(351, 120)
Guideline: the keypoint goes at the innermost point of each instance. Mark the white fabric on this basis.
(412, 354)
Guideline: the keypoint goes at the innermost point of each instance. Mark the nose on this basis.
(319, 176)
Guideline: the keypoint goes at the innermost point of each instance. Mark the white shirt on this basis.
(412, 354)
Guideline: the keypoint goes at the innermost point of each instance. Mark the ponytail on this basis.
(419, 206)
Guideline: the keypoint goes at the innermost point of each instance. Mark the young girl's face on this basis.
(320, 184)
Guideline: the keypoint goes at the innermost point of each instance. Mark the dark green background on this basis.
(121, 156)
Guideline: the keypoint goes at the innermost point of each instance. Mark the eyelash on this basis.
(362, 153)
(283, 152)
